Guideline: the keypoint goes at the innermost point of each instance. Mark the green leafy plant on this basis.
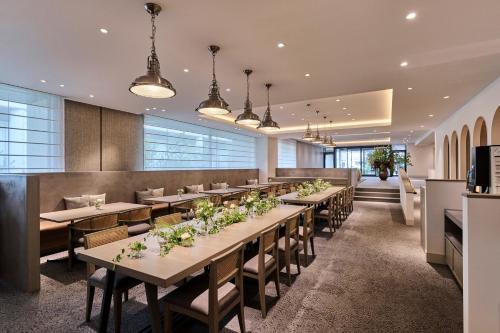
(250, 201)
(182, 235)
(383, 158)
(205, 211)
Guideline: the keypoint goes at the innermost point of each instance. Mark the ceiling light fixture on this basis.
(307, 75)
(186, 70)
(308, 134)
(431, 116)
(325, 138)
(404, 64)
(331, 141)
(281, 45)
(228, 89)
(248, 117)
(267, 122)
(61, 85)
(91, 96)
(103, 31)
(152, 85)
(317, 137)
(337, 100)
(446, 97)
(215, 104)
(411, 16)
(410, 88)
(344, 108)
(43, 81)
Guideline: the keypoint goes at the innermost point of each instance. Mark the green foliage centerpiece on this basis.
(250, 201)
(308, 188)
(205, 211)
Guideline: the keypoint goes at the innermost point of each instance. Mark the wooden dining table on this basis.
(156, 271)
(255, 187)
(88, 212)
(175, 199)
(313, 199)
(224, 192)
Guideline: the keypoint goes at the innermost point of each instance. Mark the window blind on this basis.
(287, 154)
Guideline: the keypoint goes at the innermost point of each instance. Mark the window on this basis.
(287, 154)
(170, 144)
(30, 131)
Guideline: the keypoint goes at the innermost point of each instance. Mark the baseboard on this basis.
(434, 258)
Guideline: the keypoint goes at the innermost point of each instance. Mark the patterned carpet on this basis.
(371, 276)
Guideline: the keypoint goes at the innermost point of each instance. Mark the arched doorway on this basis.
(495, 128)
(454, 156)
(464, 152)
(480, 133)
(446, 158)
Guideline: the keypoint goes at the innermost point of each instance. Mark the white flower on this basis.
(185, 236)
(233, 206)
(211, 204)
(250, 200)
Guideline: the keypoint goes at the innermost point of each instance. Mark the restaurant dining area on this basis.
(305, 166)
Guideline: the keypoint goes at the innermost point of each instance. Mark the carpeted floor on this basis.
(371, 276)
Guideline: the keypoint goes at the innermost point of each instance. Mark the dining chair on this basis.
(282, 192)
(351, 199)
(264, 264)
(337, 209)
(210, 297)
(292, 189)
(345, 204)
(138, 221)
(289, 244)
(79, 229)
(306, 232)
(327, 214)
(97, 277)
(216, 200)
(170, 219)
(186, 209)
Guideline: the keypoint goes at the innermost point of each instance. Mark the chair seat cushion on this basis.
(194, 295)
(323, 212)
(281, 243)
(252, 265)
(98, 278)
(138, 229)
(301, 231)
(48, 226)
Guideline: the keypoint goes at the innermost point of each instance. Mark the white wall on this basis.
(309, 156)
(483, 105)
(481, 269)
(422, 158)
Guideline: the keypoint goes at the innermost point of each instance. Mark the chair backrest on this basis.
(337, 201)
(228, 203)
(331, 206)
(282, 191)
(170, 219)
(224, 268)
(136, 215)
(97, 223)
(292, 228)
(292, 189)
(268, 243)
(216, 200)
(101, 238)
(252, 181)
(308, 221)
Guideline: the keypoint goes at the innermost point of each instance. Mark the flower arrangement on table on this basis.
(308, 188)
(205, 211)
(228, 216)
(135, 251)
(180, 192)
(181, 235)
(250, 201)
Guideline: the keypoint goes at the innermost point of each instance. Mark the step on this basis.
(377, 189)
(377, 199)
(378, 194)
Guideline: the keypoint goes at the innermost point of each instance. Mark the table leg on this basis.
(154, 307)
(106, 300)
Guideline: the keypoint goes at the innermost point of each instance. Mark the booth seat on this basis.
(53, 237)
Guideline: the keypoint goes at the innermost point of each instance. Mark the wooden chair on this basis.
(282, 192)
(292, 189)
(290, 243)
(78, 229)
(351, 199)
(345, 204)
(97, 278)
(186, 209)
(306, 232)
(210, 299)
(337, 209)
(328, 214)
(138, 221)
(216, 200)
(264, 264)
(171, 219)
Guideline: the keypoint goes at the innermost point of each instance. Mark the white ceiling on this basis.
(349, 48)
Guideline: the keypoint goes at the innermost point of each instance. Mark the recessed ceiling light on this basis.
(186, 70)
(154, 108)
(199, 119)
(43, 81)
(147, 109)
(422, 126)
(337, 100)
(281, 45)
(103, 31)
(411, 16)
(348, 114)
(411, 131)
(61, 85)
(344, 108)
(404, 64)
(410, 88)
(163, 110)
(91, 96)
(228, 89)
(446, 97)
(431, 116)
(307, 75)
(302, 119)
(293, 114)
(281, 107)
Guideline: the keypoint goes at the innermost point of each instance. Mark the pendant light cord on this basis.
(248, 104)
(153, 63)
(214, 80)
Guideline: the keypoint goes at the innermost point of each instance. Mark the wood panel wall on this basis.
(101, 139)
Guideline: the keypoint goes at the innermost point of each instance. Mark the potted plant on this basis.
(380, 159)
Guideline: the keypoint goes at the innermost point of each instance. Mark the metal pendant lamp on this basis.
(331, 141)
(152, 85)
(308, 136)
(325, 138)
(248, 117)
(215, 104)
(267, 122)
(317, 137)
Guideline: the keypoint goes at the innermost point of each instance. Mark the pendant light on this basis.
(325, 138)
(267, 122)
(215, 104)
(317, 137)
(331, 141)
(248, 117)
(152, 85)
(308, 136)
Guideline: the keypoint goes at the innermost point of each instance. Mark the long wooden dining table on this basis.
(175, 199)
(313, 199)
(156, 271)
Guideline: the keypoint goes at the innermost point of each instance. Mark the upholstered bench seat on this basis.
(53, 236)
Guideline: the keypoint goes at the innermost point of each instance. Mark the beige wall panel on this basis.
(309, 156)
(82, 124)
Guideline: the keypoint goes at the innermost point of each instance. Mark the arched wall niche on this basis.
(446, 158)
(454, 156)
(464, 152)
(495, 128)
(480, 133)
